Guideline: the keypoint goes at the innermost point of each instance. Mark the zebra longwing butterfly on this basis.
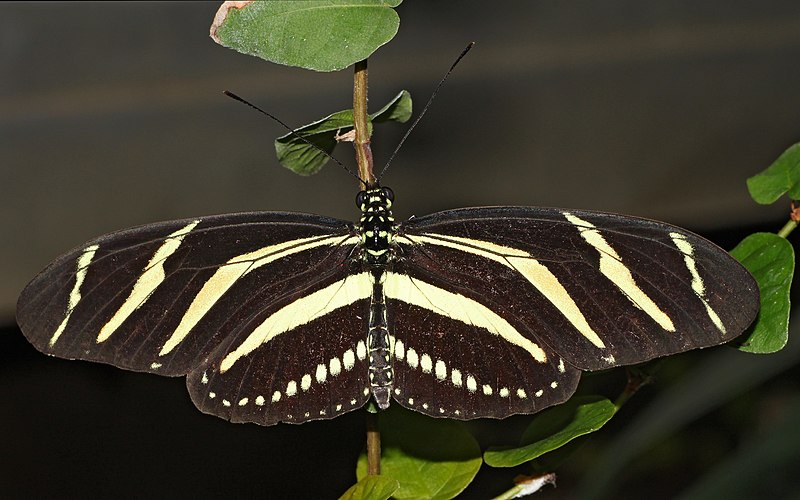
(477, 312)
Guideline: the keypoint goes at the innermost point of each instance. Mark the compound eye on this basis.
(388, 193)
(361, 198)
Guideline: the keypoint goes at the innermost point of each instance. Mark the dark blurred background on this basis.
(111, 115)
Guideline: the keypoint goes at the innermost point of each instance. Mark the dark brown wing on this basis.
(597, 289)
(173, 298)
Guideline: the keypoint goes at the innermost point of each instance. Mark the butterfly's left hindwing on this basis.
(317, 370)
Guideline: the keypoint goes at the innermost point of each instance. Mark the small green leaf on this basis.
(371, 488)
(770, 259)
(321, 35)
(430, 458)
(396, 110)
(304, 159)
(554, 428)
(301, 157)
(783, 176)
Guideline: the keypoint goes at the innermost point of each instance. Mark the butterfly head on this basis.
(377, 199)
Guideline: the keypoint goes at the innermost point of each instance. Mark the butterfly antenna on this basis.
(427, 105)
(294, 133)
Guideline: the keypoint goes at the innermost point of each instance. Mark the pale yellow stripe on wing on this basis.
(150, 279)
(75, 295)
(231, 271)
(458, 307)
(533, 271)
(612, 268)
(698, 286)
(547, 283)
(482, 248)
(688, 258)
(304, 310)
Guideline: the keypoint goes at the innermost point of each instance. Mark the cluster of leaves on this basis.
(320, 36)
(423, 457)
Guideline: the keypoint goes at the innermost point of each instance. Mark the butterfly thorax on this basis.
(376, 226)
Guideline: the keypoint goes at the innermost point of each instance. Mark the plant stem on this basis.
(787, 228)
(527, 485)
(510, 494)
(373, 445)
(364, 159)
(638, 377)
(361, 124)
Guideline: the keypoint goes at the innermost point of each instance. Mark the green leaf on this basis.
(554, 428)
(430, 458)
(304, 159)
(301, 157)
(783, 176)
(770, 259)
(371, 488)
(396, 110)
(322, 35)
